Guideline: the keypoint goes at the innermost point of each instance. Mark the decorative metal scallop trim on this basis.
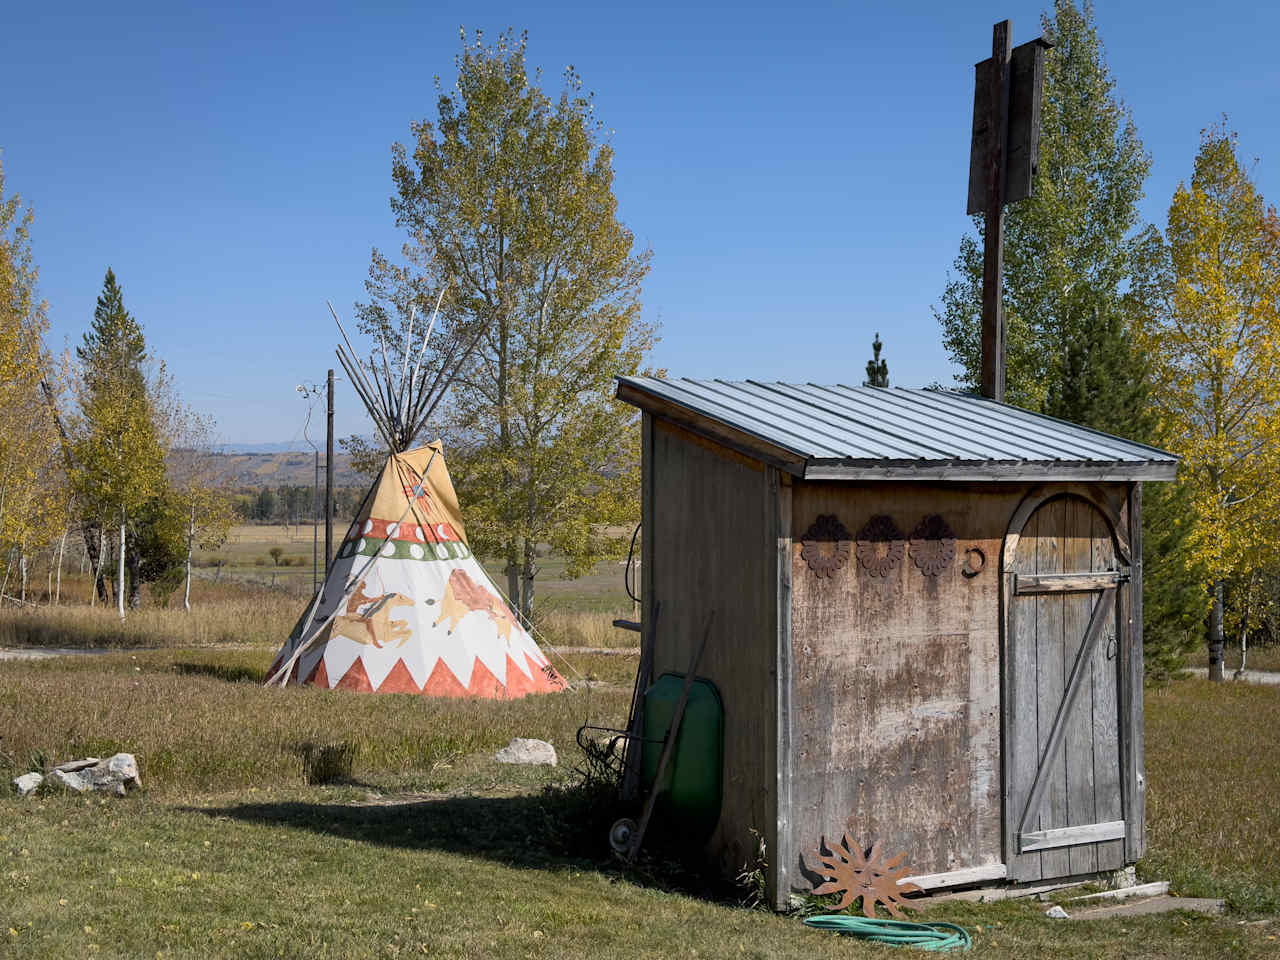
(933, 545)
(826, 529)
(879, 531)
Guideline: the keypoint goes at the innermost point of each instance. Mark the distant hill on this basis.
(292, 468)
(258, 448)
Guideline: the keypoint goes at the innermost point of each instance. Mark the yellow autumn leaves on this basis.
(1215, 356)
(33, 505)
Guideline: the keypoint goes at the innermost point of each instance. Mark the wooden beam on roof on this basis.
(743, 442)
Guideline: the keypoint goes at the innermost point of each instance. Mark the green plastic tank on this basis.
(694, 781)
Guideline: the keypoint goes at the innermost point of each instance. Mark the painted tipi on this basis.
(406, 607)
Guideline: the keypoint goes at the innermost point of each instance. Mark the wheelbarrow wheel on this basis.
(620, 835)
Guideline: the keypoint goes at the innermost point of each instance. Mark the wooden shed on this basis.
(927, 622)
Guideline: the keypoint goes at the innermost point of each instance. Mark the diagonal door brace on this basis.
(1104, 607)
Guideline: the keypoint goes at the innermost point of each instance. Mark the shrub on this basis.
(329, 762)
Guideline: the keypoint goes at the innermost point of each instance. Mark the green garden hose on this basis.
(923, 936)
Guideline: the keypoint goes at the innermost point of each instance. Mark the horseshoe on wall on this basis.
(975, 561)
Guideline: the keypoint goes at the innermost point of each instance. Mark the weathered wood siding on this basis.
(710, 548)
(896, 681)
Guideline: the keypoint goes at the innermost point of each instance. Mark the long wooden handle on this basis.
(668, 745)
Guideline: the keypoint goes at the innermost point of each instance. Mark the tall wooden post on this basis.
(328, 481)
(1003, 159)
(993, 346)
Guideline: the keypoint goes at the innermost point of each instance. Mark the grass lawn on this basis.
(429, 848)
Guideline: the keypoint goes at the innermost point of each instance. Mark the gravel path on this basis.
(44, 653)
(1269, 677)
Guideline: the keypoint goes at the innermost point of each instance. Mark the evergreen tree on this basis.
(1080, 275)
(114, 350)
(877, 369)
(119, 451)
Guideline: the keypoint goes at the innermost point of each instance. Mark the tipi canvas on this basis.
(406, 608)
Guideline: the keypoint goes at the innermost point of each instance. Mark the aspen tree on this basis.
(1215, 355)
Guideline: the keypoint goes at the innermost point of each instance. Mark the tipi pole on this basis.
(420, 421)
(351, 366)
(404, 360)
(392, 403)
(430, 326)
(356, 373)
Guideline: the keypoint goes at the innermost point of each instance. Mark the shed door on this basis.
(1063, 811)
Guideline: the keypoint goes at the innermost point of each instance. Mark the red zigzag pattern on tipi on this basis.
(441, 683)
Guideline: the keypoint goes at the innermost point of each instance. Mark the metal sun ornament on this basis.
(826, 530)
(853, 873)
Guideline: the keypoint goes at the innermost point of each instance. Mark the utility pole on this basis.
(1003, 156)
(315, 527)
(328, 481)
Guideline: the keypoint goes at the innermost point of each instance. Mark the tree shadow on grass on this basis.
(231, 673)
(558, 828)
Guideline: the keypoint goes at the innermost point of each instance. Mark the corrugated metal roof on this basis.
(841, 431)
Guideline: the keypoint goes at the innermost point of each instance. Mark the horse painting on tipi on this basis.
(406, 607)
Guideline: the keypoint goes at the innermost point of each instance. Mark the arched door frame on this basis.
(1037, 497)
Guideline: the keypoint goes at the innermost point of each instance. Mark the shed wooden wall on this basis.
(896, 681)
(710, 518)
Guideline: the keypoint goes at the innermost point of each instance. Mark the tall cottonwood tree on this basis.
(508, 201)
(118, 451)
(1215, 355)
(1079, 268)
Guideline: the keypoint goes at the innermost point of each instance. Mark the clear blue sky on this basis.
(798, 169)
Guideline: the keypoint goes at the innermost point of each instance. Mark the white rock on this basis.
(521, 750)
(73, 766)
(113, 775)
(72, 781)
(28, 783)
(124, 767)
(1057, 913)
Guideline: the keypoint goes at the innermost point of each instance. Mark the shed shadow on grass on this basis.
(558, 828)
